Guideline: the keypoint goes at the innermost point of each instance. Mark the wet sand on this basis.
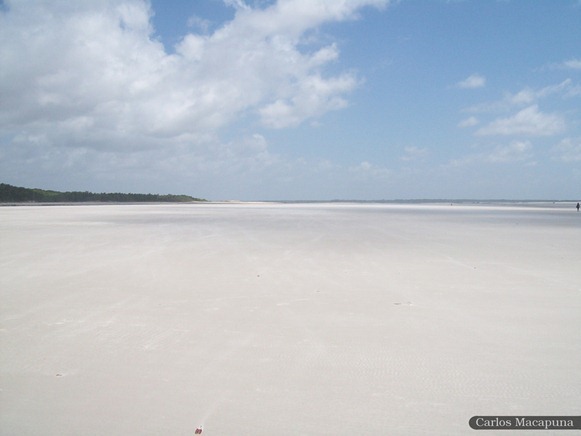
(285, 319)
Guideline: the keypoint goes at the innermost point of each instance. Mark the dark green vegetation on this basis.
(15, 194)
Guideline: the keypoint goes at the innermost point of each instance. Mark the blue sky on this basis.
(293, 99)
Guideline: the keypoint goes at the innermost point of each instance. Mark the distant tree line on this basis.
(15, 194)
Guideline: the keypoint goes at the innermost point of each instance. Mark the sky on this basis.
(293, 99)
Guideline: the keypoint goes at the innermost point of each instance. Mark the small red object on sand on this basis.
(199, 430)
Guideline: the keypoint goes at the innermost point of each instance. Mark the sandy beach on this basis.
(286, 319)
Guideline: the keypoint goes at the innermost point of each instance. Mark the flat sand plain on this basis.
(286, 319)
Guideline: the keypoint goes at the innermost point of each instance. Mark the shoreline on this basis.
(538, 203)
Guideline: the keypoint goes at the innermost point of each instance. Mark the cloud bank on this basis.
(91, 76)
(529, 121)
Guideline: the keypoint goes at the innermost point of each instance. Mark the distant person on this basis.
(577, 207)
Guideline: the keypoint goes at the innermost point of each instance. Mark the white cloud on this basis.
(237, 4)
(574, 64)
(529, 95)
(199, 23)
(568, 150)
(311, 98)
(569, 64)
(529, 121)
(413, 153)
(469, 122)
(91, 74)
(89, 96)
(515, 151)
(472, 82)
(366, 170)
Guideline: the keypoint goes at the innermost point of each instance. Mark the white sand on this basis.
(266, 319)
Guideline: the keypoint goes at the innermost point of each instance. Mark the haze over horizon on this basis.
(293, 99)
